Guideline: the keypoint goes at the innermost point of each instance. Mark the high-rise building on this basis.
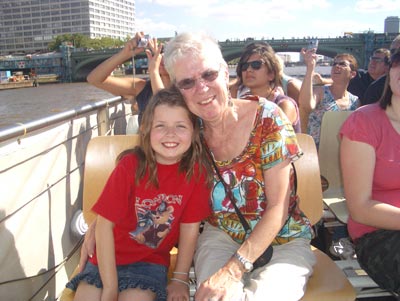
(27, 26)
(392, 25)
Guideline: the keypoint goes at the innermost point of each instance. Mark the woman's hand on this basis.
(223, 285)
(88, 246)
(154, 55)
(131, 47)
(310, 57)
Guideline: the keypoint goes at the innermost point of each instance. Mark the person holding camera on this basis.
(315, 101)
(139, 89)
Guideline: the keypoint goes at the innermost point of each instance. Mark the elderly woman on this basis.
(314, 102)
(252, 144)
(371, 182)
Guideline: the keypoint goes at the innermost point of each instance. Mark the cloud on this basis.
(374, 6)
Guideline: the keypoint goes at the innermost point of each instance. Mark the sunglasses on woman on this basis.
(342, 64)
(207, 76)
(395, 59)
(255, 65)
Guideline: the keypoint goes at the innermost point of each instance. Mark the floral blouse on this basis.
(271, 141)
(328, 103)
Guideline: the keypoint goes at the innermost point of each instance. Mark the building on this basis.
(27, 26)
(392, 25)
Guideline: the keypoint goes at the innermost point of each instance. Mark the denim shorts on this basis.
(141, 275)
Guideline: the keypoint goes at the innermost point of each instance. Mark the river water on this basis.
(27, 104)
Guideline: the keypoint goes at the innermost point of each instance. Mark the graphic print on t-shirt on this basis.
(154, 218)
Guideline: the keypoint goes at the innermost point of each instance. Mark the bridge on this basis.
(359, 45)
(75, 65)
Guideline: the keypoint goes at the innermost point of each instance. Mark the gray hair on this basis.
(194, 45)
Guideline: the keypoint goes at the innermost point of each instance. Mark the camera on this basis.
(144, 41)
(312, 44)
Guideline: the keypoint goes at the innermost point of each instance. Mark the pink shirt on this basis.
(370, 124)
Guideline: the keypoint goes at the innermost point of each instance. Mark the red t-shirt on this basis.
(146, 218)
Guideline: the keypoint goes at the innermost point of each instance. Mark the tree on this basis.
(81, 41)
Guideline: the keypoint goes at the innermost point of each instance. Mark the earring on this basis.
(230, 102)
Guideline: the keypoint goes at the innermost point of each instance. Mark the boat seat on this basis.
(329, 162)
(328, 282)
(101, 154)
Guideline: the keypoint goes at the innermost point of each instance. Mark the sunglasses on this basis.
(255, 65)
(207, 76)
(376, 59)
(341, 64)
(395, 59)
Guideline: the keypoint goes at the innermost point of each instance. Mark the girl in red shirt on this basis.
(156, 195)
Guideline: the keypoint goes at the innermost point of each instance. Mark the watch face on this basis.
(248, 266)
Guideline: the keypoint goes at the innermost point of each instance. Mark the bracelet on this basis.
(180, 273)
(181, 281)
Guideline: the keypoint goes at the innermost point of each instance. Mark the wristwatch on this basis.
(248, 266)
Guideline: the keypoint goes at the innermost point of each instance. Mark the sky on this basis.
(239, 19)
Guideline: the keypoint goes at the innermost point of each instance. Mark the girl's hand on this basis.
(177, 291)
(88, 246)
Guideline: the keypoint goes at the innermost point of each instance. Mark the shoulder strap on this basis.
(227, 189)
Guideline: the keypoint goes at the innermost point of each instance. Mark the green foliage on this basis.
(81, 41)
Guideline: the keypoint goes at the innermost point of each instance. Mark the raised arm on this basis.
(154, 56)
(307, 100)
(358, 174)
(101, 75)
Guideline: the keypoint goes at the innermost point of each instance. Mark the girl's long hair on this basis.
(144, 152)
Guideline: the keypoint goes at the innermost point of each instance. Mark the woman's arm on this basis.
(154, 57)
(358, 171)
(189, 233)
(277, 192)
(289, 109)
(307, 99)
(101, 75)
(106, 258)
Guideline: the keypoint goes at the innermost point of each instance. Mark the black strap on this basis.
(228, 190)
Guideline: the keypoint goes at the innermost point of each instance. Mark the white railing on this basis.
(41, 169)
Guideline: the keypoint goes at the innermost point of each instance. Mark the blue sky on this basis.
(239, 19)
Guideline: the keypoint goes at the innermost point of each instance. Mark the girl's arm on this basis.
(88, 246)
(101, 75)
(106, 258)
(358, 174)
(189, 233)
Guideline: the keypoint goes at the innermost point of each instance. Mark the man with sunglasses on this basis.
(378, 66)
(375, 89)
